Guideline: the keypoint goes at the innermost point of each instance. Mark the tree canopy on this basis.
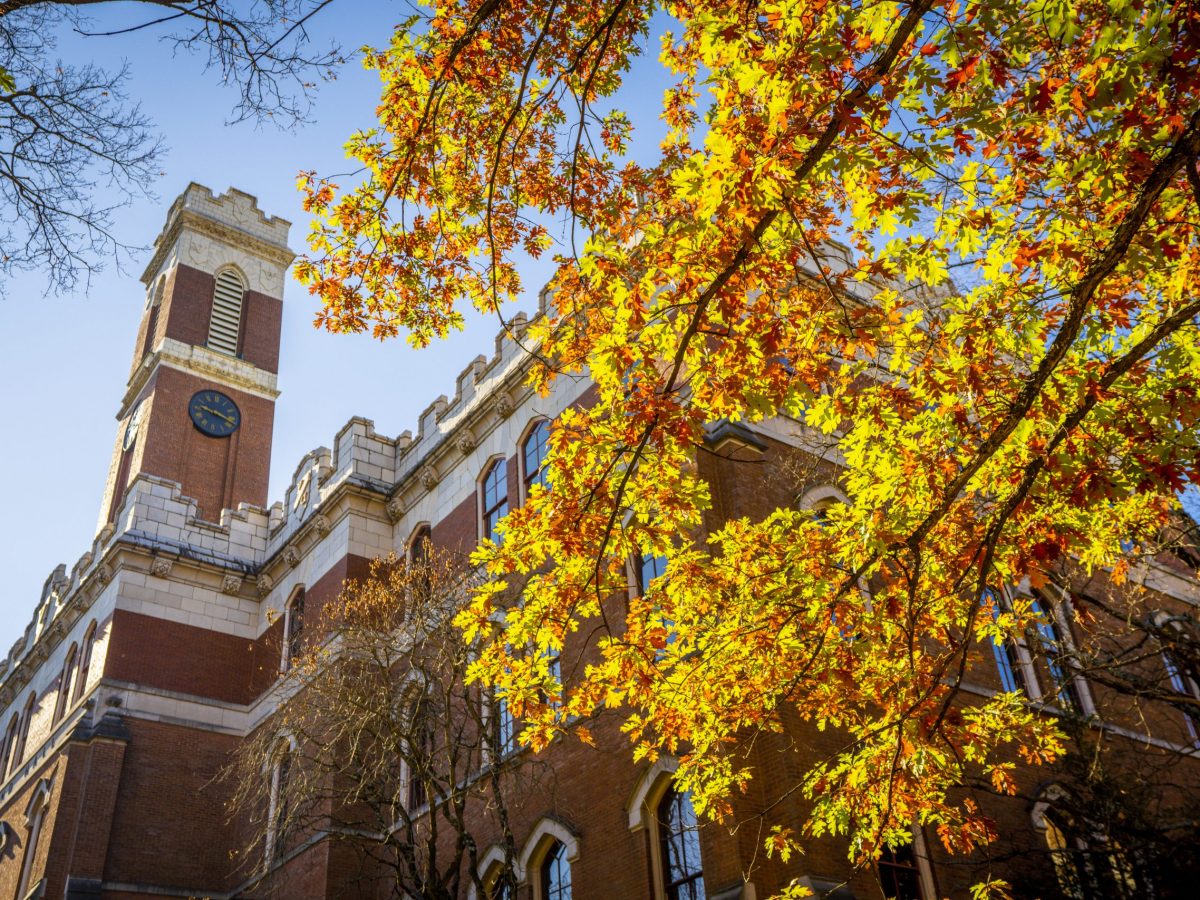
(956, 240)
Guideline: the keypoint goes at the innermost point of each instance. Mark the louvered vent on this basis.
(226, 313)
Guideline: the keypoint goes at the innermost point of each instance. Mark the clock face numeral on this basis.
(214, 414)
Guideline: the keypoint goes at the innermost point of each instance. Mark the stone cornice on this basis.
(236, 373)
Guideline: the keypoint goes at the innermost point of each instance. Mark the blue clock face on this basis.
(214, 413)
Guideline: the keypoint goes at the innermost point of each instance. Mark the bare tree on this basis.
(70, 134)
(379, 743)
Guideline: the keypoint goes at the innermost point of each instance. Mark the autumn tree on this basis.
(379, 744)
(74, 146)
(956, 239)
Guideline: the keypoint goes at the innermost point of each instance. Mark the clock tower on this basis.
(200, 403)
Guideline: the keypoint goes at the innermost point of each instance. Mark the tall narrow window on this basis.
(505, 730)
(1184, 684)
(683, 874)
(649, 568)
(533, 456)
(226, 322)
(85, 661)
(23, 734)
(65, 683)
(556, 874)
(293, 629)
(35, 815)
(418, 557)
(495, 497)
(279, 801)
(10, 745)
(898, 873)
(1007, 653)
(420, 759)
(1055, 649)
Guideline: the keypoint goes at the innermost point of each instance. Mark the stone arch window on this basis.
(225, 323)
(820, 499)
(1051, 638)
(293, 628)
(279, 800)
(70, 666)
(35, 818)
(667, 816)
(534, 448)
(85, 661)
(498, 877)
(1086, 863)
(493, 497)
(1013, 662)
(10, 745)
(418, 551)
(23, 733)
(547, 857)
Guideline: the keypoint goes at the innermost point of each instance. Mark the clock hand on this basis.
(209, 409)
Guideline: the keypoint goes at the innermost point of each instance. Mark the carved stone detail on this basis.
(395, 509)
(265, 585)
(292, 557)
(160, 566)
(103, 574)
(465, 442)
(428, 478)
(321, 523)
(503, 405)
(231, 584)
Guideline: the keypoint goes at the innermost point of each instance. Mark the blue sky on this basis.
(64, 360)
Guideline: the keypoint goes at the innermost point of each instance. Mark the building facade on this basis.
(150, 659)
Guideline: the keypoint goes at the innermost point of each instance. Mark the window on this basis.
(279, 804)
(495, 497)
(505, 730)
(226, 322)
(23, 734)
(35, 816)
(1055, 648)
(649, 568)
(1184, 684)
(498, 884)
(898, 874)
(1010, 661)
(10, 744)
(533, 456)
(556, 874)
(420, 760)
(85, 662)
(65, 683)
(293, 629)
(683, 874)
(418, 557)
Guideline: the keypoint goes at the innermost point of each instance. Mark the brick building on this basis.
(148, 660)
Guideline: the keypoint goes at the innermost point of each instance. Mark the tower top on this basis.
(232, 218)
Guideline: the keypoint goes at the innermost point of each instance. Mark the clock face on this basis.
(214, 413)
(135, 422)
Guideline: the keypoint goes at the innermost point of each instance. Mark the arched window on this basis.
(1012, 660)
(10, 745)
(498, 876)
(533, 455)
(65, 682)
(85, 662)
(420, 757)
(1055, 648)
(494, 492)
(293, 629)
(419, 550)
(23, 734)
(35, 817)
(679, 841)
(556, 874)
(226, 322)
(280, 800)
